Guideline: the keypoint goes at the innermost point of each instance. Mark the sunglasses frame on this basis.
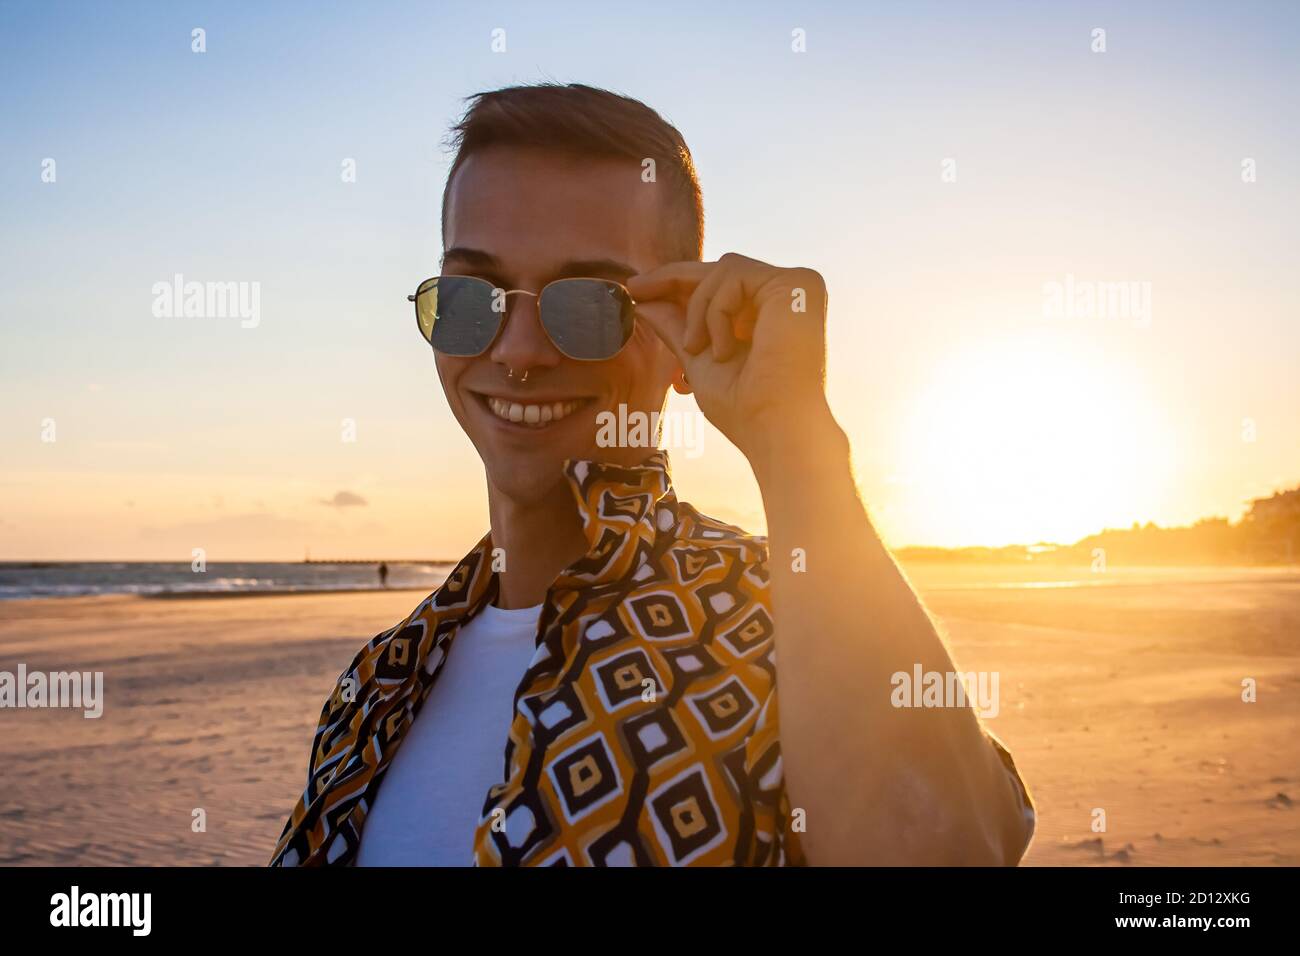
(414, 298)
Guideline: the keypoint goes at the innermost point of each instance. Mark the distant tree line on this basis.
(1269, 533)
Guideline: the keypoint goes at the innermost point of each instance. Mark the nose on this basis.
(523, 343)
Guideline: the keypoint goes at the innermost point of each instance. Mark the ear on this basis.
(680, 383)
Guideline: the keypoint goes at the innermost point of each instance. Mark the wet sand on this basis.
(1121, 694)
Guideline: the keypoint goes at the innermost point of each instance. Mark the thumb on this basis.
(668, 321)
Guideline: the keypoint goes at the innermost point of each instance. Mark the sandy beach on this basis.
(1125, 696)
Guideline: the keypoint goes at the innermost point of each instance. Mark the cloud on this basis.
(344, 499)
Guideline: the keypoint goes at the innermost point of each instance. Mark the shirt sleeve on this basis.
(788, 825)
(776, 824)
(775, 815)
(789, 851)
(1025, 801)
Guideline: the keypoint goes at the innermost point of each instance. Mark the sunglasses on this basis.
(586, 319)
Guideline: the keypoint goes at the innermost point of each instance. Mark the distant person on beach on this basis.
(595, 683)
(383, 574)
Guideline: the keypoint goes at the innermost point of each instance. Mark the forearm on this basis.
(878, 783)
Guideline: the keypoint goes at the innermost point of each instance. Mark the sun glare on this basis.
(1034, 438)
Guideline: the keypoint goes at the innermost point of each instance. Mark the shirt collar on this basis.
(624, 508)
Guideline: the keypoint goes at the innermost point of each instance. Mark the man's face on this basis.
(521, 219)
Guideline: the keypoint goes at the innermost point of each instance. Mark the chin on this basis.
(528, 482)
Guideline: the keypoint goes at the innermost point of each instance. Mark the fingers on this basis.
(718, 299)
(730, 302)
(674, 280)
(711, 313)
(698, 330)
(724, 306)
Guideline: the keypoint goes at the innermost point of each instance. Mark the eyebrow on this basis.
(570, 269)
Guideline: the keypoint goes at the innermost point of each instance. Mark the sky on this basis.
(974, 183)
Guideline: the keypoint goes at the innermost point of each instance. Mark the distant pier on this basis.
(389, 561)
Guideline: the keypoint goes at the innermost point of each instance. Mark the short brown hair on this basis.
(587, 121)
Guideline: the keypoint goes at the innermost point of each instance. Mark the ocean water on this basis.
(77, 579)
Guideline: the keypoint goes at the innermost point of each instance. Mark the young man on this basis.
(596, 682)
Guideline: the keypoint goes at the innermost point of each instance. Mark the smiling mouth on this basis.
(532, 415)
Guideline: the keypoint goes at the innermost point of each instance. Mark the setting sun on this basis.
(1034, 437)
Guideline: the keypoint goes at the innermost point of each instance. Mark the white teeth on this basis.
(535, 415)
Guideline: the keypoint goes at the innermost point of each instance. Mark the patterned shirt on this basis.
(645, 726)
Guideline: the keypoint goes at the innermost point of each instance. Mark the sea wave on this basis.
(28, 580)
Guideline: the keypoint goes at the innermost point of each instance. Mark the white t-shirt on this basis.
(429, 803)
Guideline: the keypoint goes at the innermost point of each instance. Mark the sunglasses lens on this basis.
(588, 319)
(455, 314)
